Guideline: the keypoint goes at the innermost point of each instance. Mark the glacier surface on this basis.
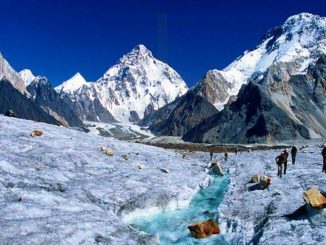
(61, 189)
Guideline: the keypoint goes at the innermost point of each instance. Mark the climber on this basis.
(294, 151)
(323, 153)
(280, 160)
(286, 155)
(211, 155)
(225, 156)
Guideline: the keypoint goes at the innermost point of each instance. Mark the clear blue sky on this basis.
(60, 37)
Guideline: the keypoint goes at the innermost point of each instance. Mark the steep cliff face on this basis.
(88, 106)
(278, 107)
(8, 73)
(46, 97)
(302, 97)
(214, 87)
(23, 107)
(252, 118)
(182, 116)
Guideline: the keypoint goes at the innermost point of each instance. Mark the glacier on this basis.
(59, 188)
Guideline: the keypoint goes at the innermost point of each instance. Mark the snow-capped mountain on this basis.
(73, 84)
(136, 85)
(301, 39)
(282, 94)
(6, 71)
(27, 76)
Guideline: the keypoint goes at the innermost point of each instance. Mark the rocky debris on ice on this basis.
(314, 198)
(36, 132)
(164, 170)
(107, 150)
(260, 216)
(204, 229)
(80, 196)
(216, 167)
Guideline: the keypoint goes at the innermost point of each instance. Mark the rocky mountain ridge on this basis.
(129, 90)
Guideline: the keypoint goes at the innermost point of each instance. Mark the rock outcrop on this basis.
(46, 97)
(23, 107)
(280, 106)
(179, 117)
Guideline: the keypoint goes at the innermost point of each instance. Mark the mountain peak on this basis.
(27, 76)
(72, 84)
(299, 41)
(138, 54)
(140, 48)
(304, 22)
(6, 71)
(306, 17)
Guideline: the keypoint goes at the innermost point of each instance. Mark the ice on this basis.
(63, 190)
(251, 217)
(172, 224)
(260, 214)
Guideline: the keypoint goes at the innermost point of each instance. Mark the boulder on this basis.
(255, 178)
(259, 182)
(204, 229)
(10, 113)
(265, 181)
(103, 148)
(36, 133)
(107, 151)
(217, 168)
(314, 198)
(164, 170)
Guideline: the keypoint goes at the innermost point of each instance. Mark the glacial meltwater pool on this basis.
(172, 226)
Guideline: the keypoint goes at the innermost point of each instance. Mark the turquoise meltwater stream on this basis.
(172, 225)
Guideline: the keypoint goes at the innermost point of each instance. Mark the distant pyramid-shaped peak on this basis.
(72, 84)
(137, 55)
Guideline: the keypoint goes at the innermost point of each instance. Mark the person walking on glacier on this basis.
(323, 153)
(294, 151)
(280, 160)
(211, 155)
(286, 155)
(225, 156)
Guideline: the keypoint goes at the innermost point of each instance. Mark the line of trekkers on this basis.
(282, 160)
